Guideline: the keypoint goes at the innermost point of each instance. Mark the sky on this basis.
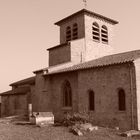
(27, 29)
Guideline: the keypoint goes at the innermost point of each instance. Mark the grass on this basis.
(10, 131)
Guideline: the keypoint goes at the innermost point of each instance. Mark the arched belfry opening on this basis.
(95, 31)
(68, 33)
(104, 34)
(75, 31)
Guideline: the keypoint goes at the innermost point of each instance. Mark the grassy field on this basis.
(10, 131)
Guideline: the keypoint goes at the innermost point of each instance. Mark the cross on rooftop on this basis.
(85, 3)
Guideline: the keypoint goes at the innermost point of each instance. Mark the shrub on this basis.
(74, 118)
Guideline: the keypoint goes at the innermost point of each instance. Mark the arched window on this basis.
(121, 100)
(67, 94)
(75, 31)
(91, 100)
(95, 31)
(104, 34)
(68, 33)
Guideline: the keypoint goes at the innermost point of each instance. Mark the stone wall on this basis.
(57, 95)
(66, 56)
(78, 51)
(77, 19)
(59, 55)
(105, 82)
(137, 75)
(41, 97)
(14, 105)
(48, 94)
(96, 49)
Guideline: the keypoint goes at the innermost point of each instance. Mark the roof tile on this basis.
(29, 80)
(17, 91)
(103, 61)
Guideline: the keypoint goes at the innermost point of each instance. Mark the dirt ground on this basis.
(10, 131)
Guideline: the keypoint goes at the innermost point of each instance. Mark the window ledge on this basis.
(98, 41)
(122, 111)
(67, 108)
(105, 43)
(91, 111)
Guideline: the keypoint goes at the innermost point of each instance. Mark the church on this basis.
(83, 76)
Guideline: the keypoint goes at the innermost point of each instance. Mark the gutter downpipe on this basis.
(132, 100)
(84, 38)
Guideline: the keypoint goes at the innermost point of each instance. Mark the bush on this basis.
(74, 118)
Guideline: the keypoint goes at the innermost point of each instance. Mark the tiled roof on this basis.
(19, 90)
(85, 11)
(103, 61)
(30, 80)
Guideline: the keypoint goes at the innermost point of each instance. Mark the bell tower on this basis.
(84, 36)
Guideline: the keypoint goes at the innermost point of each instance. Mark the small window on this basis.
(104, 34)
(95, 31)
(75, 31)
(68, 33)
(121, 100)
(67, 94)
(91, 101)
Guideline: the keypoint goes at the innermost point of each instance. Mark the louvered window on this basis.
(104, 34)
(95, 31)
(75, 31)
(68, 33)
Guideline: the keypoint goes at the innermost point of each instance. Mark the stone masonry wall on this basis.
(57, 95)
(105, 82)
(77, 19)
(67, 56)
(41, 98)
(78, 51)
(137, 75)
(14, 105)
(96, 49)
(59, 55)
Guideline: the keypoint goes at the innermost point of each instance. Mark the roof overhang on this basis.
(17, 91)
(90, 13)
(60, 45)
(30, 80)
(114, 59)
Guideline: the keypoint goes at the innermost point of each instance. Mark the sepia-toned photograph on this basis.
(70, 70)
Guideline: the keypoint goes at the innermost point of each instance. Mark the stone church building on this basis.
(83, 76)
